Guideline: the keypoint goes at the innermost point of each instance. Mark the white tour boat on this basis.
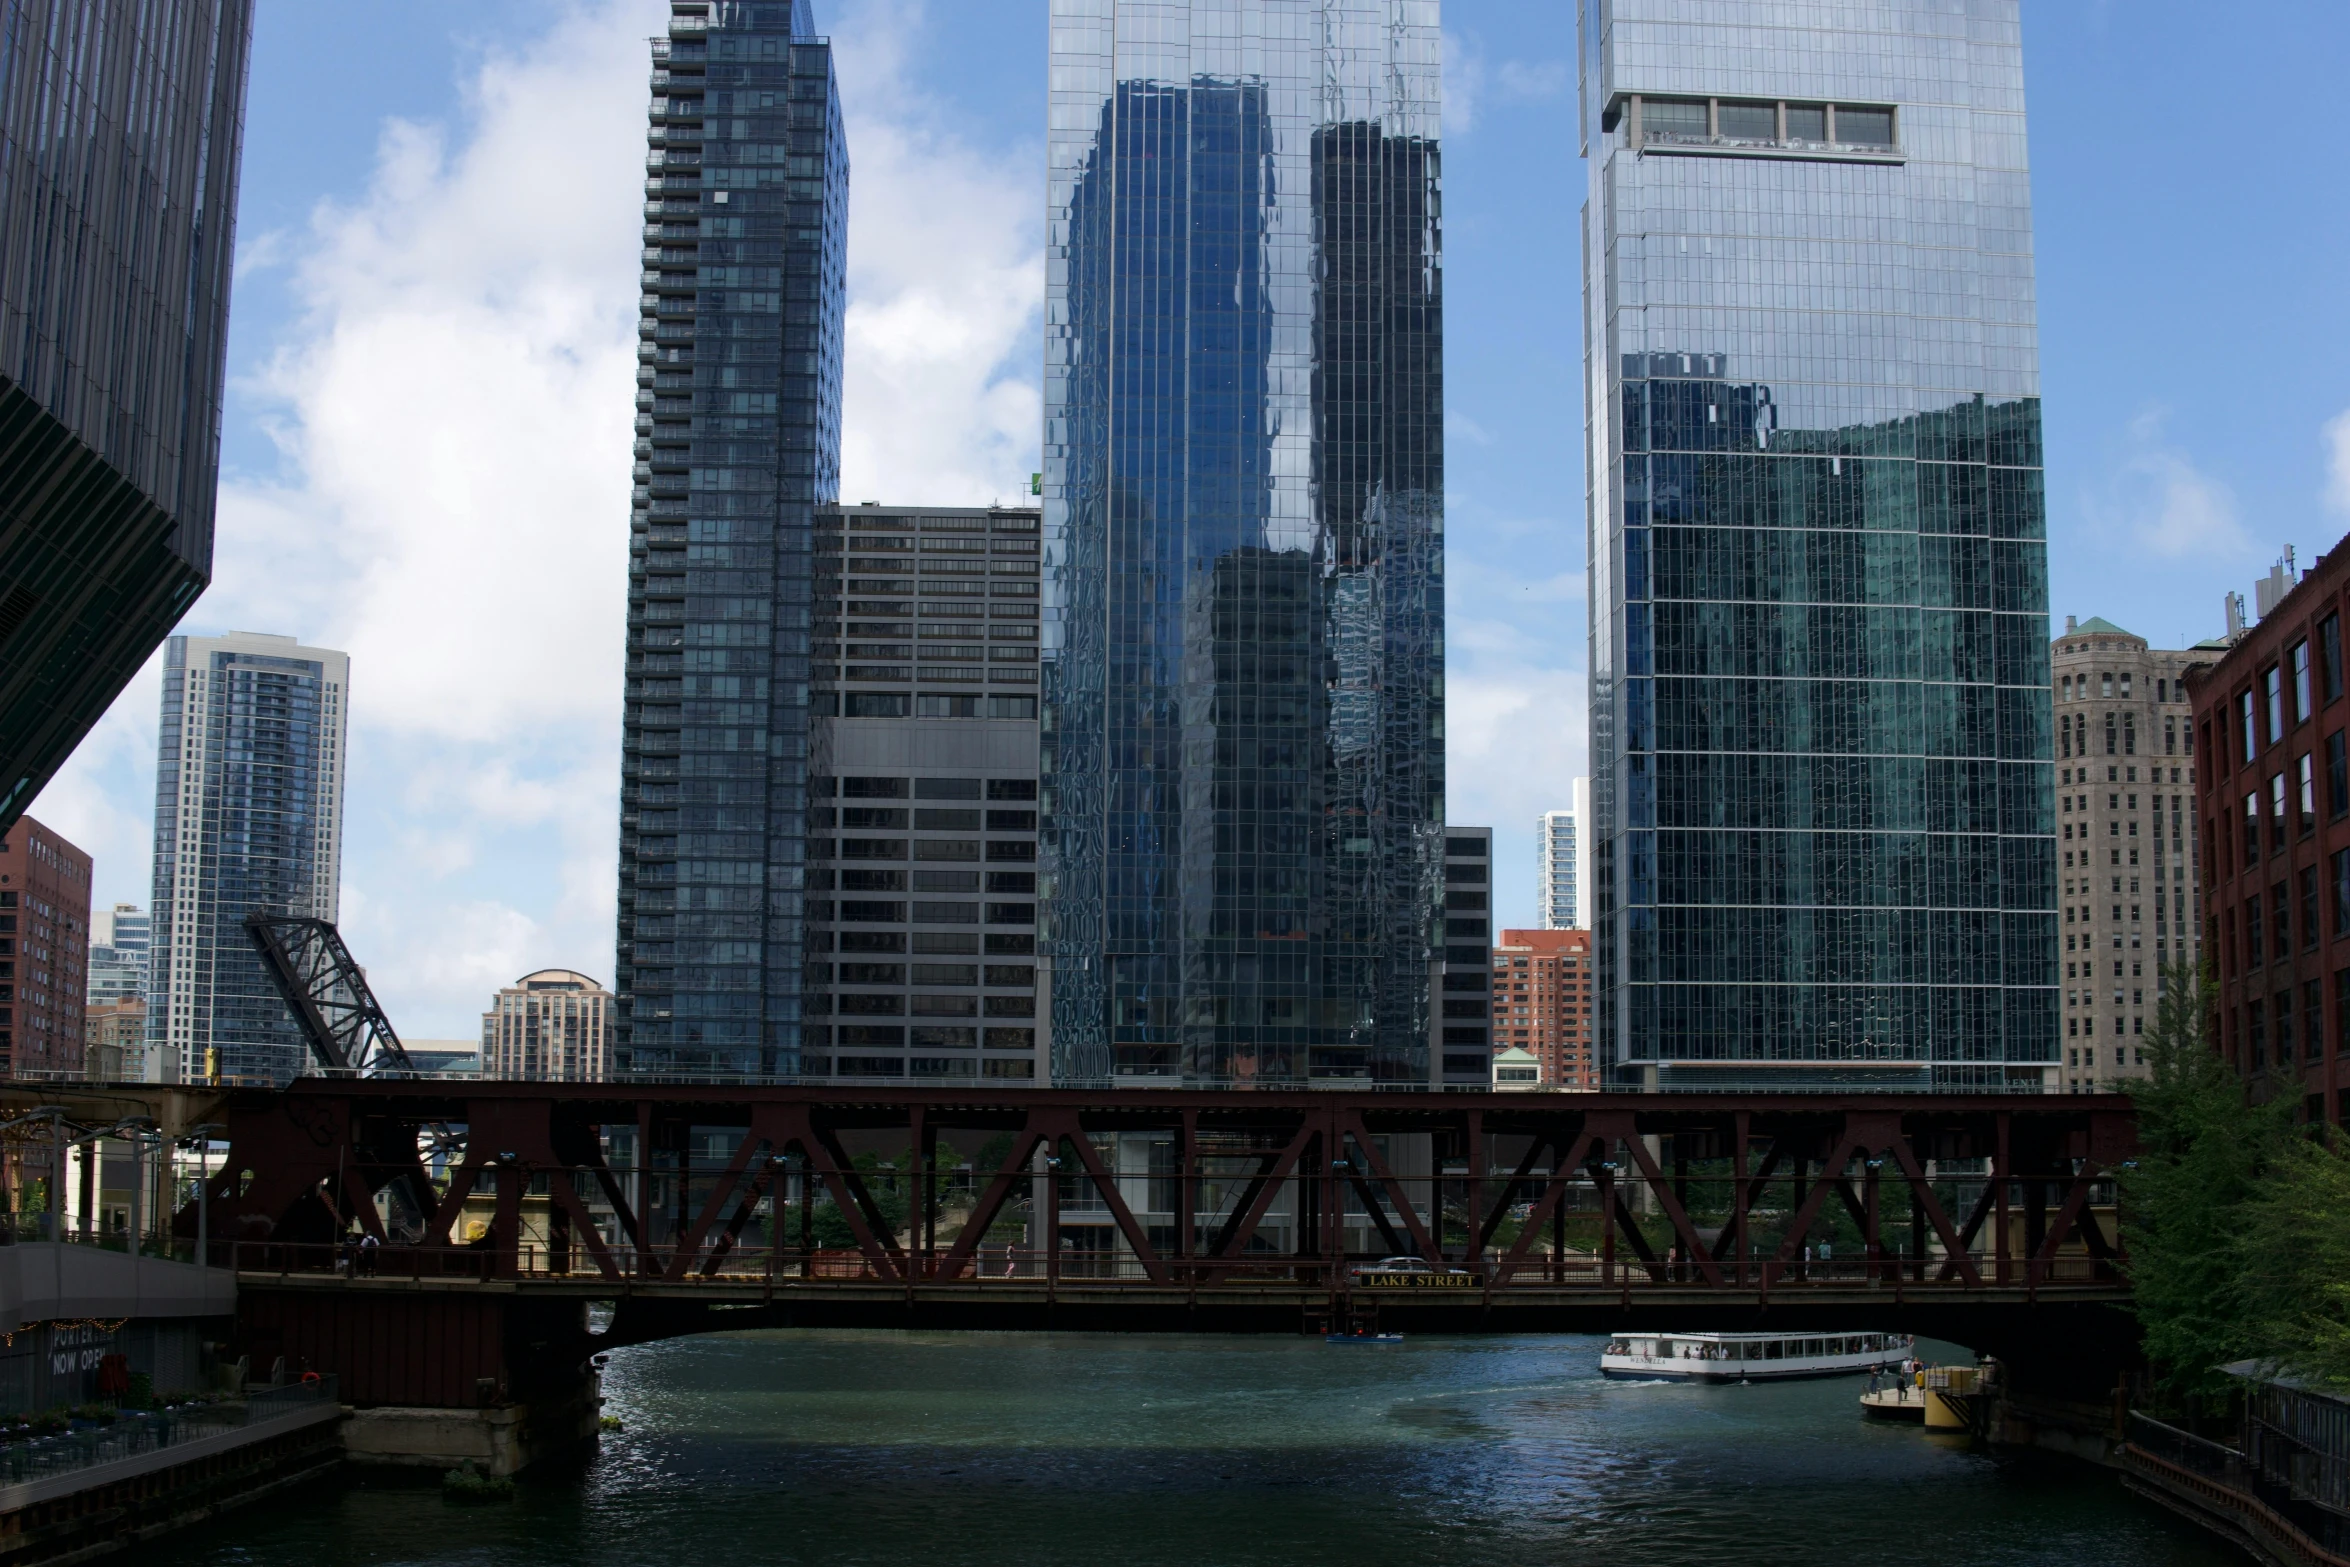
(1750, 1357)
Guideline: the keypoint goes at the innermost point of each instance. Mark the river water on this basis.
(940, 1450)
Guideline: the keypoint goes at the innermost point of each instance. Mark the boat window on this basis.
(1813, 1346)
(1777, 1350)
(1616, 1346)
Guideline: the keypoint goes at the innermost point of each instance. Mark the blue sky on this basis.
(425, 457)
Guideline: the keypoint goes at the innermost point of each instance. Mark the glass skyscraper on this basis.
(737, 442)
(1243, 670)
(120, 131)
(1823, 790)
(249, 771)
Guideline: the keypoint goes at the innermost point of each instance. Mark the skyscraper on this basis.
(1562, 852)
(120, 131)
(248, 815)
(1822, 780)
(737, 441)
(1243, 490)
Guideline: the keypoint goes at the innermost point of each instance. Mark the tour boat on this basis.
(1750, 1357)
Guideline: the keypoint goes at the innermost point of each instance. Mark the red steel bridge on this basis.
(499, 1212)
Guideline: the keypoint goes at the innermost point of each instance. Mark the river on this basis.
(941, 1450)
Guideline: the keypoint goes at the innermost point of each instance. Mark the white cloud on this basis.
(1531, 81)
(2157, 496)
(451, 410)
(946, 286)
(2337, 439)
(1464, 82)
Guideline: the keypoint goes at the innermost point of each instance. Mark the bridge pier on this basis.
(437, 1376)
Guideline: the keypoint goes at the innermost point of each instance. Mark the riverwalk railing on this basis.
(134, 1433)
(2220, 1486)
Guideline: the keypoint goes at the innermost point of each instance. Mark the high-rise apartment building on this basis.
(120, 132)
(1562, 853)
(2272, 748)
(44, 943)
(1243, 488)
(921, 946)
(120, 939)
(552, 1026)
(1823, 779)
(249, 780)
(737, 442)
(2127, 859)
(1542, 1003)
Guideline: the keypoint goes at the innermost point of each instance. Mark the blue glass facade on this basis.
(1822, 781)
(737, 442)
(1242, 640)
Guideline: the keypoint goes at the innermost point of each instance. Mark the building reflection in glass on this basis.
(1243, 671)
(1822, 781)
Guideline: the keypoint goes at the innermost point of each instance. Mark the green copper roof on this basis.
(2098, 625)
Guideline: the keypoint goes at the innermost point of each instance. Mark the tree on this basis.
(2206, 1154)
(2294, 1253)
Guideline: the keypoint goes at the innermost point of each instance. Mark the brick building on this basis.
(2273, 801)
(44, 950)
(1542, 1003)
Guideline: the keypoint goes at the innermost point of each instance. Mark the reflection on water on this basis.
(889, 1448)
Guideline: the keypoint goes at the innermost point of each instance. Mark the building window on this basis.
(2276, 811)
(2308, 799)
(2309, 906)
(2170, 736)
(2329, 655)
(2251, 828)
(2284, 1027)
(2313, 1020)
(2105, 684)
(2337, 776)
(2298, 659)
(2272, 682)
(2255, 950)
(2342, 892)
(2281, 904)
(2256, 1033)
(2244, 719)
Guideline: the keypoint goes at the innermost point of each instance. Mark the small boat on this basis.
(1749, 1357)
(1362, 1338)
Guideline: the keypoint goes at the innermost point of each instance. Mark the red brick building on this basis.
(2274, 800)
(1542, 1002)
(44, 950)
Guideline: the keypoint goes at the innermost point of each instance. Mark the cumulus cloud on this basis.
(2159, 497)
(451, 409)
(943, 402)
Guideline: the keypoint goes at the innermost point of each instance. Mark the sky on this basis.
(431, 378)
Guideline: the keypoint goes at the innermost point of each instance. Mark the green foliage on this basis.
(2207, 1156)
(2295, 1258)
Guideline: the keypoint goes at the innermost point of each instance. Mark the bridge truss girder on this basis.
(1294, 1174)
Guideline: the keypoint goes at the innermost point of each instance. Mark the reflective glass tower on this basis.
(121, 125)
(1242, 656)
(1820, 712)
(737, 442)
